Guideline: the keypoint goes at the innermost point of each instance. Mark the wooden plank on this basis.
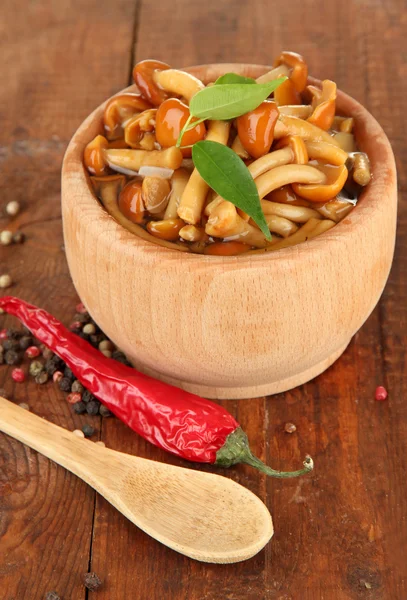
(56, 67)
(336, 531)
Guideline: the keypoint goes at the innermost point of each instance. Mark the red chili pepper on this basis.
(173, 419)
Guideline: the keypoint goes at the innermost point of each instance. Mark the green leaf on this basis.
(230, 100)
(227, 174)
(233, 78)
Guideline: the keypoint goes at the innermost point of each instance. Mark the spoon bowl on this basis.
(207, 517)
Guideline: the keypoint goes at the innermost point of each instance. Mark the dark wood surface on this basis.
(340, 533)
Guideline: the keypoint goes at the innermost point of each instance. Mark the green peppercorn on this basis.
(77, 387)
(42, 377)
(36, 367)
(47, 353)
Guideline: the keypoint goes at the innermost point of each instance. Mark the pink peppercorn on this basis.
(32, 352)
(80, 308)
(3, 334)
(381, 393)
(18, 375)
(57, 376)
(74, 397)
(75, 325)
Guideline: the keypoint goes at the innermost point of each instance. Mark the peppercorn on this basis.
(14, 334)
(100, 443)
(13, 208)
(65, 384)
(58, 362)
(36, 367)
(77, 387)
(80, 308)
(52, 596)
(18, 237)
(82, 335)
(68, 374)
(75, 326)
(18, 375)
(104, 412)
(107, 353)
(87, 396)
(92, 581)
(3, 334)
(5, 281)
(89, 329)
(50, 367)
(27, 342)
(47, 353)
(73, 398)
(92, 407)
(12, 357)
(11, 345)
(57, 376)
(6, 238)
(120, 357)
(88, 430)
(381, 393)
(42, 377)
(32, 351)
(106, 345)
(81, 318)
(79, 407)
(78, 433)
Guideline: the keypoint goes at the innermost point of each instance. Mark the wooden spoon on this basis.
(206, 517)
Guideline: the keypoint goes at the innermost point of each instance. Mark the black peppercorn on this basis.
(11, 344)
(104, 412)
(65, 384)
(52, 596)
(25, 342)
(88, 430)
(58, 362)
(69, 375)
(92, 407)
(81, 318)
(42, 377)
(82, 335)
(50, 367)
(92, 581)
(12, 357)
(121, 358)
(79, 408)
(14, 334)
(87, 396)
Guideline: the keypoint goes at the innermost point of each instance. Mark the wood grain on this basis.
(345, 526)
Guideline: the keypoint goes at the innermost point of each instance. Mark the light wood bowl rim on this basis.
(375, 144)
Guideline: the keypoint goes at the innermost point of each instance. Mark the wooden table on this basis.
(340, 533)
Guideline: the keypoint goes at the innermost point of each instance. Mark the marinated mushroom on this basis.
(139, 128)
(94, 157)
(143, 75)
(296, 149)
(119, 109)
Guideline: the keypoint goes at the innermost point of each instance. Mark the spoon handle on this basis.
(63, 447)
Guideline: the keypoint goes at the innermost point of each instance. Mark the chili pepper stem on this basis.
(236, 450)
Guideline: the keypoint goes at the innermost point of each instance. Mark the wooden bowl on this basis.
(232, 327)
